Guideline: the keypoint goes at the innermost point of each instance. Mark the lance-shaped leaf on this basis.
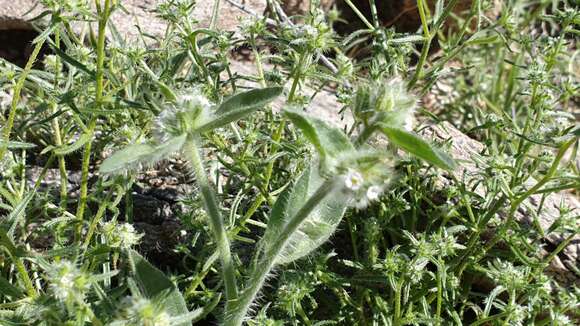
(133, 156)
(329, 142)
(241, 105)
(16, 145)
(154, 285)
(128, 158)
(315, 229)
(418, 147)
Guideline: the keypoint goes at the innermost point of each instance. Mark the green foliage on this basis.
(316, 228)
(418, 147)
(155, 285)
(125, 161)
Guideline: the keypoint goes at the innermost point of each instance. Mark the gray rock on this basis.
(13, 15)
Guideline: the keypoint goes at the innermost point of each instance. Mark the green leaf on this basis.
(418, 147)
(127, 158)
(241, 105)
(18, 212)
(9, 290)
(154, 285)
(317, 227)
(132, 156)
(166, 149)
(330, 142)
(166, 91)
(17, 145)
(67, 149)
(198, 314)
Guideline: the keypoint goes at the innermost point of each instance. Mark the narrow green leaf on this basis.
(15, 215)
(418, 147)
(9, 290)
(241, 105)
(166, 149)
(154, 285)
(17, 145)
(67, 149)
(330, 142)
(166, 91)
(70, 60)
(133, 156)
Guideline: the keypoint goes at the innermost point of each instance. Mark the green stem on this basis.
(360, 14)
(516, 204)
(16, 98)
(426, 44)
(397, 316)
(214, 14)
(239, 310)
(219, 232)
(103, 18)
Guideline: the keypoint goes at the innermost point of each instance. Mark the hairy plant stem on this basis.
(192, 148)
(16, 98)
(58, 136)
(238, 311)
(103, 14)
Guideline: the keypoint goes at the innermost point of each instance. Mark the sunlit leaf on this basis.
(329, 142)
(418, 147)
(241, 105)
(127, 158)
(315, 229)
(154, 285)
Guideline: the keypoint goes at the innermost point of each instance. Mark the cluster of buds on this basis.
(386, 102)
(67, 282)
(191, 110)
(315, 35)
(141, 311)
(121, 236)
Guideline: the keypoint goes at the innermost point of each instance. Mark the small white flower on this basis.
(354, 180)
(183, 233)
(374, 192)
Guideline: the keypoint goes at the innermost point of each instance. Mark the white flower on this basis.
(374, 192)
(561, 319)
(354, 180)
